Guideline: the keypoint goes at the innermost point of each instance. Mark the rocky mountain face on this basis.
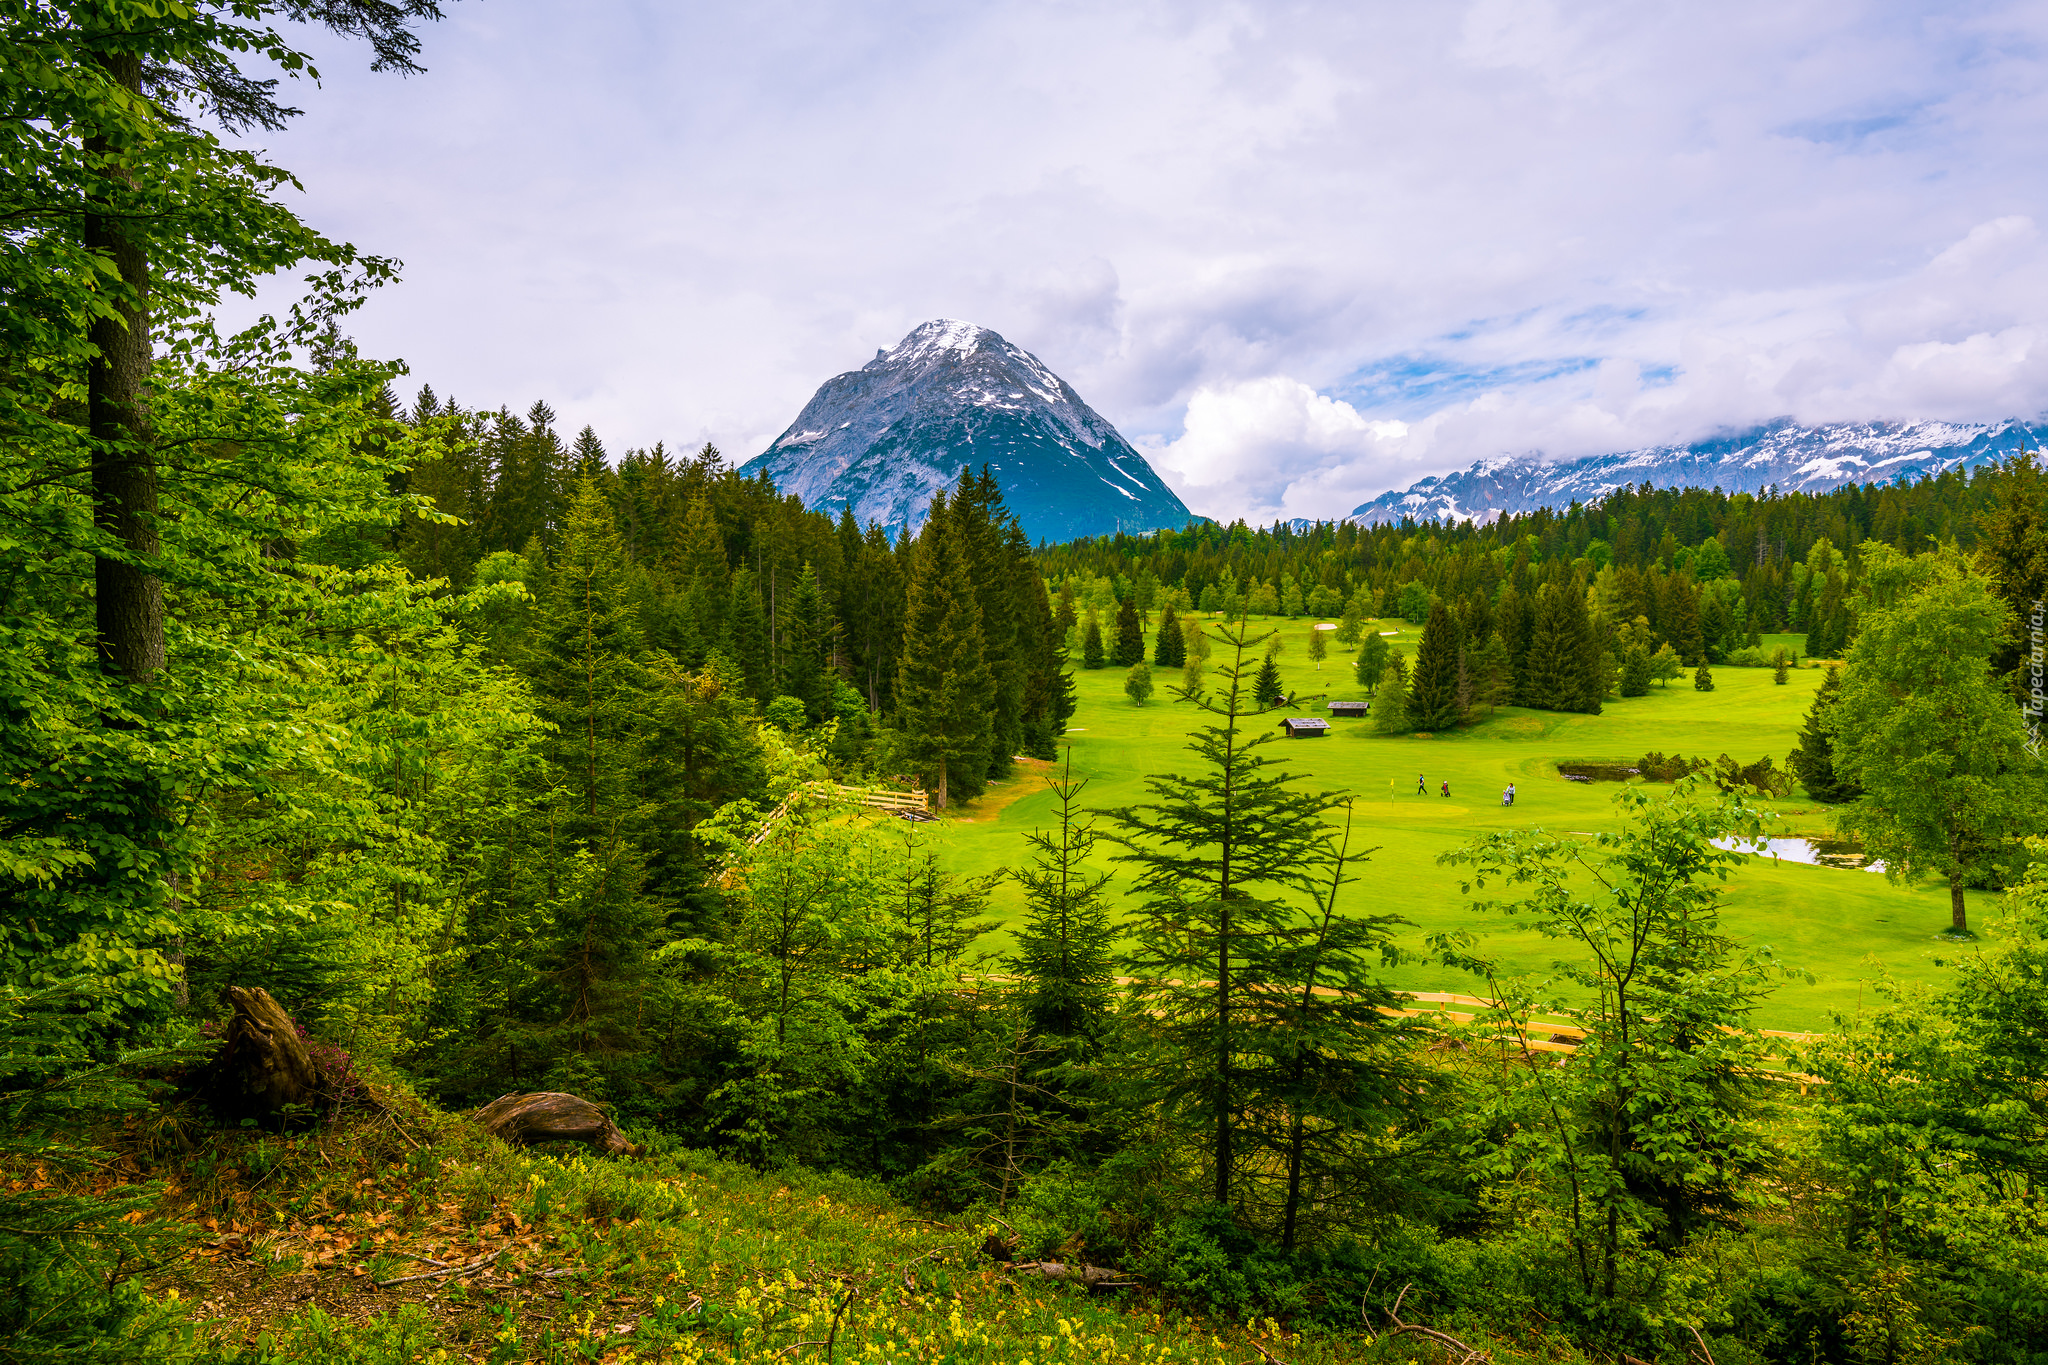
(1779, 455)
(888, 435)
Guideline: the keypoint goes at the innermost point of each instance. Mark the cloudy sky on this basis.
(1298, 252)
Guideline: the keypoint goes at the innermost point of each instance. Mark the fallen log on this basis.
(549, 1116)
(264, 1067)
(1090, 1276)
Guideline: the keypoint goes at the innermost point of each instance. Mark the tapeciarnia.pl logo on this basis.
(2037, 688)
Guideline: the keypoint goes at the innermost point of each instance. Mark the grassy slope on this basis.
(1843, 927)
(674, 1257)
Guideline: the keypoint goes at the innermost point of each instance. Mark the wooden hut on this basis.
(1351, 710)
(1305, 727)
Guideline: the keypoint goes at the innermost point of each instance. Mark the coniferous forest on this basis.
(369, 758)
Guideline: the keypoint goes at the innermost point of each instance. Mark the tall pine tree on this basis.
(1063, 946)
(1130, 635)
(810, 636)
(1169, 648)
(747, 636)
(1562, 669)
(587, 672)
(943, 684)
(1433, 693)
(1216, 851)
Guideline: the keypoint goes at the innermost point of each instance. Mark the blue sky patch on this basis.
(1410, 386)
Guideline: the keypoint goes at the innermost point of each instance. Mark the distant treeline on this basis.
(1704, 571)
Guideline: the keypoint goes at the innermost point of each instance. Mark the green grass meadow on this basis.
(1844, 928)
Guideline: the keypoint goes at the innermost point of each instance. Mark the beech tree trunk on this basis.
(1959, 919)
(128, 599)
(524, 1120)
(264, 1065)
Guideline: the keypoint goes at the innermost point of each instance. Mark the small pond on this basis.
(1818, 852)
(1596, 772)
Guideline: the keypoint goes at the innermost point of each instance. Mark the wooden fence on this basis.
(880, 798)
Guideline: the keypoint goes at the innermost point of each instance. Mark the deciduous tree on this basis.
(1924, 728)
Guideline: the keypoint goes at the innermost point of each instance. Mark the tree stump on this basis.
(524, 1120)
(263, 1066)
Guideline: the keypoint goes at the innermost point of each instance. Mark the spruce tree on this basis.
(586, 667)
(1563, 662)
(1003, 579)
(943, 685)
(1041, 652)
(747, 636)
(1063, 946)
(1814, 760)
(1703, 677)
(810, 637)
(1551, 670)
(1681, 619)
(1215, 852)
(1828, 635)
(576, 1015)
(1091, 644)
(1517, 627)
(1635, 672)
(1130, 635)
(1328, 1076)
(1433, 694)
(1065, 616)
(1266, 686)
(1169, 649)
(1715, 626)
(586, 458)
(1493, 681)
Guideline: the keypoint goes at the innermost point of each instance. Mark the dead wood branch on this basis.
(1465, 1354)
(458, 1271)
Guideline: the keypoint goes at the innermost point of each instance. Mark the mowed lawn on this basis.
(1846, 929)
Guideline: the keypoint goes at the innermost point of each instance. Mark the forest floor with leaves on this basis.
(397, 1233)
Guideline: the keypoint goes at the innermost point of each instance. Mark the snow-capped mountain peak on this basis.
(887, 436)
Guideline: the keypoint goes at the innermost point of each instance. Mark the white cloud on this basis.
(676, 221)
(1273, 447)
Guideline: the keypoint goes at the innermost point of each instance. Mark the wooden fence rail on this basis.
(880, 798)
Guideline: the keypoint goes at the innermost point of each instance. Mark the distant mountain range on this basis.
(1781, 455)
(885, 437)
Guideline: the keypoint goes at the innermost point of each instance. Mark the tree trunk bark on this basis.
(552, 1117)
(264, 1066)
(129, 599)
(1959, 920)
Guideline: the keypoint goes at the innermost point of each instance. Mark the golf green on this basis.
(1834, 930)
